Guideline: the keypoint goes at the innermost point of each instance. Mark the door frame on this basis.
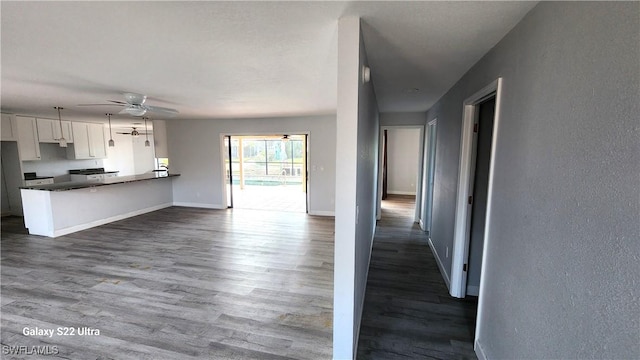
(418, 207)
(307, 135)
(466, 173)
(428, 172)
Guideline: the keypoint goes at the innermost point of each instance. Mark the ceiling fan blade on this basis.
(117, 102)
(99, 105)
(123, 133)
(162, 110)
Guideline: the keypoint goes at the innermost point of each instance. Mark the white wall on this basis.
(560, 268)
(356, 165)
(54, 163)
(143, 156)
(403, 152)
(120, 157)
(344, 333)
(195, 153)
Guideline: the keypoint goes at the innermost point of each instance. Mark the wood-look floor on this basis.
(179, 283)
(408, 313)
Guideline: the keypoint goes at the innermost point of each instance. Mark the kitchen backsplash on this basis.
(54, 163)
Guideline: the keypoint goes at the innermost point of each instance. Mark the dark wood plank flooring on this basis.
(178, 283)
(408, 313)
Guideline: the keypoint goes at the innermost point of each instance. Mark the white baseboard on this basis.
(111, 219)
(479, 350)
(473, 290)
(397, 192)
(322, 213)
(199, 205)
(440, 265)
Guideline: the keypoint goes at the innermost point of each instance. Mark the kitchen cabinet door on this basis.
(97, 148)
(88, 141)
(49, 131)
(28, 145)
(66, 131)
(8, 132)
(80, 148)
(45, 130)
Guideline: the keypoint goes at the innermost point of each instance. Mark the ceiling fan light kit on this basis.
(62, 141)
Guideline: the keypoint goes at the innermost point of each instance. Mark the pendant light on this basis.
(62, 141)
(111, 142)
(146, 133)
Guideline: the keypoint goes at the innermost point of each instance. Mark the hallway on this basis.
(408, 313)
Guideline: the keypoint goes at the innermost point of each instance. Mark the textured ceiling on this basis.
(235, 59)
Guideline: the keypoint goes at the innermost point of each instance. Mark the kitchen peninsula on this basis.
(59, 209)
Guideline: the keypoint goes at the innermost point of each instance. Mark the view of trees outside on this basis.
(268, 161)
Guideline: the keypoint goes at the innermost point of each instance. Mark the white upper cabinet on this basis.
(97, 148)
(49, 131)
(28, 145)
(8, 132)
(88, 141)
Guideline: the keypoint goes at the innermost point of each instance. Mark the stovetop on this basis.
(33, 176)
(90, 171)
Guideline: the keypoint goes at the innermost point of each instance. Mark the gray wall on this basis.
(402, 118)
(13, 177)
(366, 185)
(561, 262)
(403, 153)
(195, 153)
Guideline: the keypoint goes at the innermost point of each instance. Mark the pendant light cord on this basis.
(110, 132)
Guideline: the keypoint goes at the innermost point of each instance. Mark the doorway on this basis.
(475, 179)
(266, 172)
(400, 167)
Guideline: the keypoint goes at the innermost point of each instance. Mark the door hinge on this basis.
(475, 127)
(464, 267)
(470, 200)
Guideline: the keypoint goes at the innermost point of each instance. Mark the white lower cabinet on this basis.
(80, 177)
(88, 141)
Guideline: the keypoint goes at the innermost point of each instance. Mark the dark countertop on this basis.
(72, 185)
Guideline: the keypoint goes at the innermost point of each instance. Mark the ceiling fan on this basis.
(134, 105)
(134, 132)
